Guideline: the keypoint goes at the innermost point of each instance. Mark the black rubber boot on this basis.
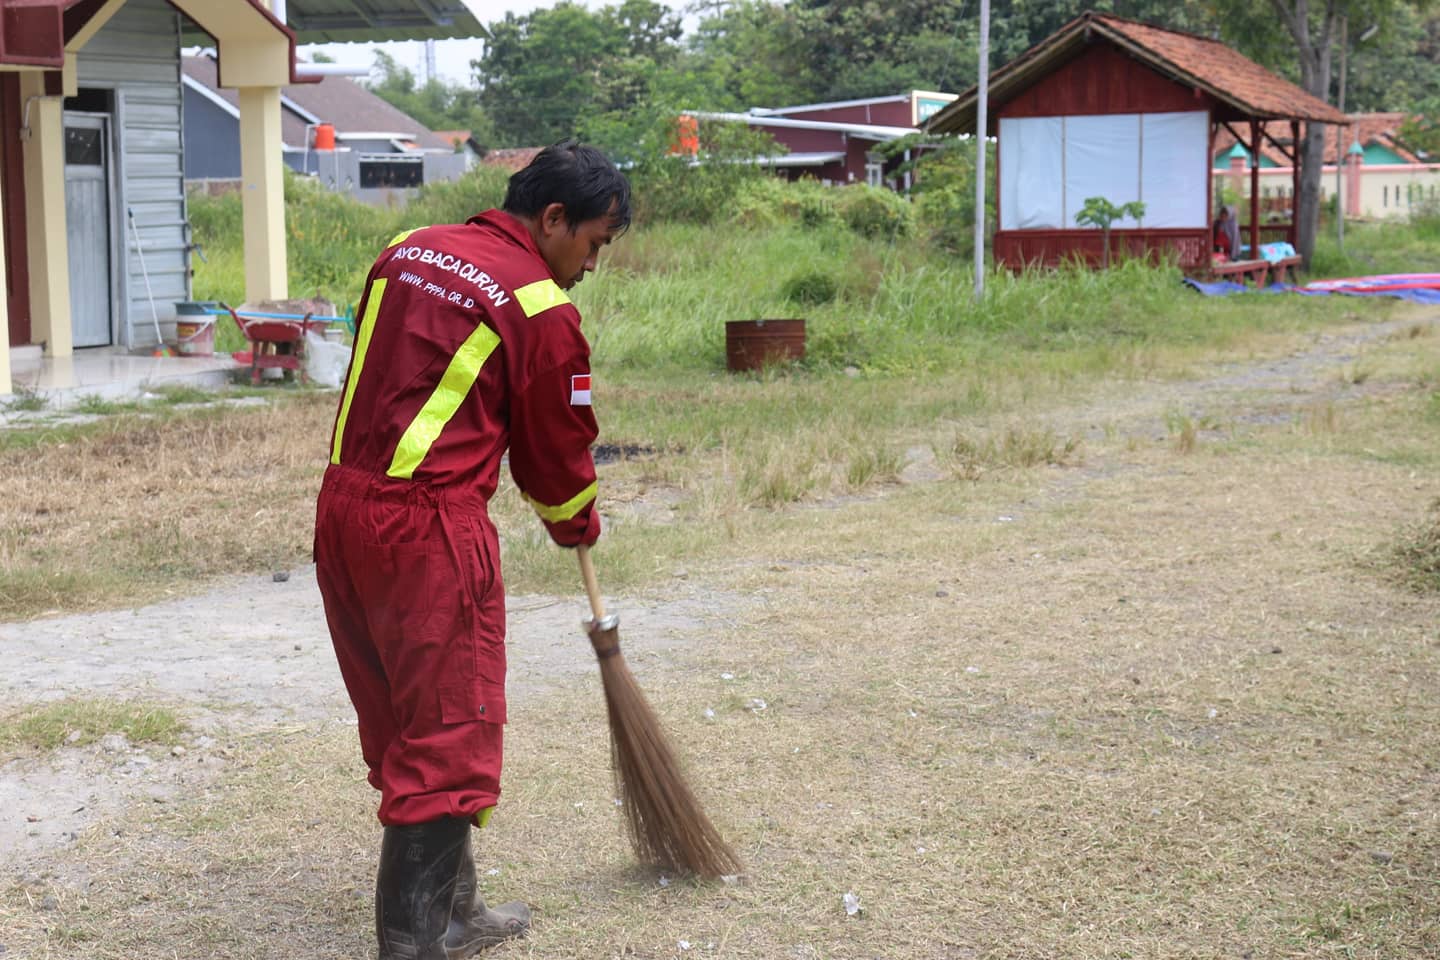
(473, 926)
(415, 887)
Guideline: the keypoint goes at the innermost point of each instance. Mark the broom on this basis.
(666, 825)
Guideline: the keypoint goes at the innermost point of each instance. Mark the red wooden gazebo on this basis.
(1114, 108)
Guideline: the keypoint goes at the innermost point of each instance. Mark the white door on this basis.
(88, 222)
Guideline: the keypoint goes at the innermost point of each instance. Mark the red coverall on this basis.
(465, 346)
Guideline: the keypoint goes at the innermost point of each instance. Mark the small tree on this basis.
(1099, 212)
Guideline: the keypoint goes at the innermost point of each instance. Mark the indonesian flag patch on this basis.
(580, 390)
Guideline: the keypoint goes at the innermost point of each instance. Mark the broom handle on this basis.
(592, 586)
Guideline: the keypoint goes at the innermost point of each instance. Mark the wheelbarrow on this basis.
(277, 340)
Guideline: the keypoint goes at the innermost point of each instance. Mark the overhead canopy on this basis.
(326, 21)
(345, 21)
(1207, 66)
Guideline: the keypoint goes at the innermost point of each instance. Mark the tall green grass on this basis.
(662, 298)
(1382, 247)
(331, 239)
(892, 304)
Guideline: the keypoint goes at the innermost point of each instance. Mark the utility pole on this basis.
(981, 120)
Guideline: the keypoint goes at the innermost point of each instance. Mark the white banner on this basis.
(1049, 166)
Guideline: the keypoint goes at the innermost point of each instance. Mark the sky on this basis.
(452, 57)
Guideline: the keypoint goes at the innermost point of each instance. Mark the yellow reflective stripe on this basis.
(399, 237)
(454, 384)
(567, 509)
(362, 344)
(539, 296)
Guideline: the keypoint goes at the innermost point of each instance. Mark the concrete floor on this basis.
(107, 373)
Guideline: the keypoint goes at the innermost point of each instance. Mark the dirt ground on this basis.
(251, 656)
(246, 657)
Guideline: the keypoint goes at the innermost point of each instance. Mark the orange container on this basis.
(687, 137)
(325, 136)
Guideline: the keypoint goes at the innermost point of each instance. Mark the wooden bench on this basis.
(1283, 266)
(1257, 272)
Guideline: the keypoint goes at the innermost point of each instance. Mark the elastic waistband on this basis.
(354, 482)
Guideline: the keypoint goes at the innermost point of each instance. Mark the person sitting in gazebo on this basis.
(1227, 234)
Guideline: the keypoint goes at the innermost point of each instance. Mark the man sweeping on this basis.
(467, 346)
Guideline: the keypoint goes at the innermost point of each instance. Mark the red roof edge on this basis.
(1128, 35)
(32, 33)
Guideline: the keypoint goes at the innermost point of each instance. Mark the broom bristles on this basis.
(667, 826)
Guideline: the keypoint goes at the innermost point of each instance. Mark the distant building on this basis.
(464, 143)
(336, 130)
(510, 158)
(1383, 177)
(93, 151)
(836, 142)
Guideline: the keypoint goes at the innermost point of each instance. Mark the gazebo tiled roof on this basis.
(1208, 66)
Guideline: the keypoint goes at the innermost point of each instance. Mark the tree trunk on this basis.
(1314, 51)
(1307, 204)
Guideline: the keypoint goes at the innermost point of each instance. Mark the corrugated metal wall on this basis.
(137, 55)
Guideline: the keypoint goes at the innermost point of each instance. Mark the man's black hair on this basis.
(580, 178)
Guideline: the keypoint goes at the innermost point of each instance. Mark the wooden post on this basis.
(5, 384)
(46, 237)
(1293, 234)
(1255, 129)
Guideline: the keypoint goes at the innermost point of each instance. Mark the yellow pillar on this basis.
(5, 386)
(263, 189)
(46, 242)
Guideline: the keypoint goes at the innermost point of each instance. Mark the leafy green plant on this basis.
(1184, 429)
(1015, 449)
(1425, 218)
(875, 212)
(26, 399)
(811, 287)
(1100, 212)
(818, 210)
(82, 721)
(178, 393)
(671, 187)
(875, 465)
(943, 173)
(94, 403)
(769, 201)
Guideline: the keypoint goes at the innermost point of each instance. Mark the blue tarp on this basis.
(1222, 288)
(1414, 296)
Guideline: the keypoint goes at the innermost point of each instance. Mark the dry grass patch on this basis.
(1167, 715)
(133, 508)
(1015, 448)
(1418, 553)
